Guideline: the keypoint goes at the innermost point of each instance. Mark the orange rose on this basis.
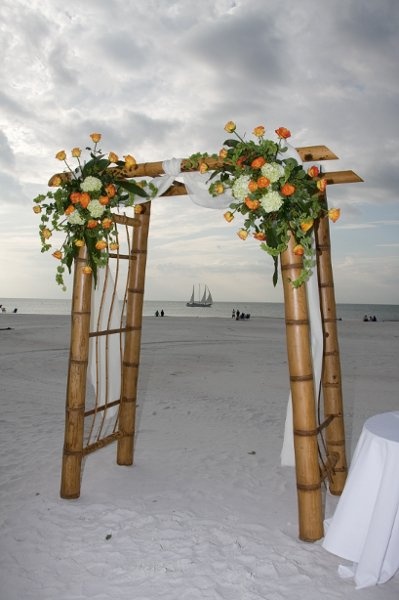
(79, 243)
(60, 155)
(299, 250)
(334, 214)
(111, 190)
(321, 185)
(287, 189)
(263, 182)
(114, 246)
(242, 234)
(84, 199)
(76, 152)
(257, 163)
(91, 224)
(69, 209)
(306, 225)
(252, 204)
(252, 186)
(230, 127)
(57, 254)
(87, 270)
(37, 209)
(259, 131)
(74, 197)
(104, 200)
(107, 223)
(240, 161)
(96, 137)
(223, 153)
(112, 157)
(101, 245)
(203, 167)
(228, 216)
(259, 235)
(283, 133)
(130, 162)
(313, 171)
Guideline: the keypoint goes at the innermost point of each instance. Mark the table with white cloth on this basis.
(365, 526)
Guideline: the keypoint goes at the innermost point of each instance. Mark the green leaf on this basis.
(231, 143)
(133, 188)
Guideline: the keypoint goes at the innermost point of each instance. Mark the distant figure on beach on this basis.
(3, 309)
(373, 318)
(157, 313)
(162, 313)
(233, 314)
(365, 318)
(237, 314)
(15, 310)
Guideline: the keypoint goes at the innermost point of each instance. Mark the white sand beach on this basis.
(207, 512)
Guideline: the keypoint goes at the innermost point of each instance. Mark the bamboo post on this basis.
(131, 355)
(303, 399)
(331, 373)
(76, 383)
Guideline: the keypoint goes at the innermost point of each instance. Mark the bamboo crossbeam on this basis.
(102, 443)
(153, 169)
(102, 407)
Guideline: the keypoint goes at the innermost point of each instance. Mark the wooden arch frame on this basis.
(309, 472)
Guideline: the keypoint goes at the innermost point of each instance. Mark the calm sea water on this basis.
(38, 306)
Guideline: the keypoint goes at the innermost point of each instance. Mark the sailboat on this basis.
(206, 298)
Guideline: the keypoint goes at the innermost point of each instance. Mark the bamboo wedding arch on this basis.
(319, 443)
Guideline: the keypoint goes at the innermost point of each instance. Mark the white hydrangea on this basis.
(91, 184)
(272, 171)
(75, 218)
(271, 201)
(95, 209)
(240, 187)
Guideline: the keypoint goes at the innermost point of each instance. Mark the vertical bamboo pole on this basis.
(76, 383)
(131, 355)
(303, 399)
(331, 373)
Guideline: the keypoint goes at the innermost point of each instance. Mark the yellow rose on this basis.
(114, 246)
(37, 209)
(101, 245)
(259, 131)
(138, 209)
(56, 181)
(299, 250)
(130, 161)
(57, 254)
(87, 270)
(112, 157)
(334, 214)
(46, 233)
(79, 243)
(306, 225)
(242, 234)
(96, 137)
(76, 152)
(228, 216)
(203, 167)
(60, 155)
(230, 127)
(218, 188)
(223, 153)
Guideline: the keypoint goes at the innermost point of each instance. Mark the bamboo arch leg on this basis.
(76, 385)
(131, 356)
(331, 375)
(303, 399)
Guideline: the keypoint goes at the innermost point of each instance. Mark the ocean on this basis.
(40, 306)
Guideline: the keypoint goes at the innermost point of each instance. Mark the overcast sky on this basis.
(159, 79)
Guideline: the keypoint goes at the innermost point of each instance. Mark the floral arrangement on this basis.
(82, 208)
(274, 194)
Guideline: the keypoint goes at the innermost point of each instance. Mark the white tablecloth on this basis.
(365, 525)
